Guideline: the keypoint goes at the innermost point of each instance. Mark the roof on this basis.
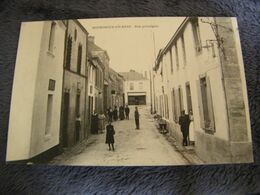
(80, 25)
(171, 42)
(92, 48)
(132, 76)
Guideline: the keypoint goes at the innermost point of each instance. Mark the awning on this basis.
(136, 93)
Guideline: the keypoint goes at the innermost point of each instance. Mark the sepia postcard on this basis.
(148, 91)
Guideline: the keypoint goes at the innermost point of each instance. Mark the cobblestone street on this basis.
(132, 147)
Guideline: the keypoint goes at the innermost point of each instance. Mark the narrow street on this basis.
(132, 147)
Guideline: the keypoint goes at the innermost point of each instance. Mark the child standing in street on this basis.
(110, 136)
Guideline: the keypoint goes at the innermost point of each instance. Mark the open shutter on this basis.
(181, 100)
(177, 104)
(210, 105)
(202, 123)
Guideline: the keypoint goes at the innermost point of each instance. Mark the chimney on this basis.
(91, 39)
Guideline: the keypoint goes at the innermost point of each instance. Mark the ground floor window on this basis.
(206, 106)
(188, 95)
(49, 114)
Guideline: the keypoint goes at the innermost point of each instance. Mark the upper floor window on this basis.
(183, 49)
(140, 85)
(79, 58)
(68, 53)
(131, 86)
(176, 55)
(75, 34)
(171, 61)
(52, 36)
(196, 35)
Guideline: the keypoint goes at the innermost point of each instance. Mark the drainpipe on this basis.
(62, 87)
(86, 89)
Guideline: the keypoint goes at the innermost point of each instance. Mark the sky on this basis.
(132, 43)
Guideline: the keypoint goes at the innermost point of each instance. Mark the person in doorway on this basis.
(191, 129)
(94, 123)
(137, 115)
(110, 114)
(184, 122)
(115, 114)
(121, 113)
(127, 111)
(110, 136)
(78, 126)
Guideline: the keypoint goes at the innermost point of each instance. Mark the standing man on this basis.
(137, 115)
(127, 110)
(184, 122)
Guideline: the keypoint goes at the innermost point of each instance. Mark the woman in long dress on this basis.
(191, 129)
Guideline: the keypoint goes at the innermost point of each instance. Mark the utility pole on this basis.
(152, 76)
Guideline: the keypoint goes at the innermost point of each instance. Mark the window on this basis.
(49, 114)
(97, 77)
(75, 34)
(196, 35)
(131, 86)
(52, 36)
(166, 106)
(206, 106)
(171, 61)
(51, 86)
(79, 58)
(183, 49)
(188, 95)
(140, 85)
(68, 53)
(78, 104)
(176, 55)
(180, 100)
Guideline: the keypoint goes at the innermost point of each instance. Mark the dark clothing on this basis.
(121, 113)
(110, 115)
(94, 124)
(127, 110)
(184, 122)
(110, 134)
(137, 124)
(137, 114)
(137, 119)
(115, 115)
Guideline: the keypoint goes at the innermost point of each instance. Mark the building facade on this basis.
(116, 89)
(201, 71)
(102, 63)
(98, 64)
(136, 88)
(74, 101)
(37, 89)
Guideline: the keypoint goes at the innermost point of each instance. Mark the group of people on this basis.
(186, 124)
(114, 115)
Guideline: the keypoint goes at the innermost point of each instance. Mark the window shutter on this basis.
(177, 104)
(202, 123)
(210, 105)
